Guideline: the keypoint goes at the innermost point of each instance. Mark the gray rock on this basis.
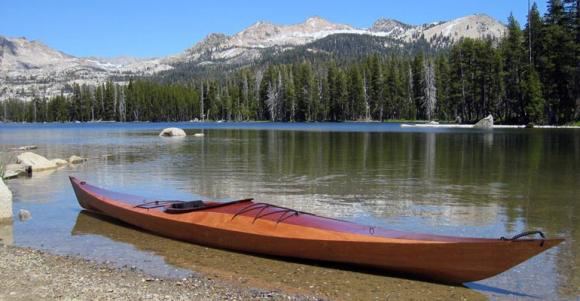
(24, 215)
(59, 162)
(485, 123)
(76, 159)
(25, 147)
(5, 202)
(35, 161)
(16, 170)
(172, 132)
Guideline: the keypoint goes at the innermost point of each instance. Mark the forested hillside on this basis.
(530, 76)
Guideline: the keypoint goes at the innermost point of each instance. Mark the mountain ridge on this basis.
(31, 68)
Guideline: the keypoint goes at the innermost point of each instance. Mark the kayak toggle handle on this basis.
(524, 234)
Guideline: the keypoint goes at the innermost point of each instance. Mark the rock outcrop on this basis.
(172, 132)
(485, 123)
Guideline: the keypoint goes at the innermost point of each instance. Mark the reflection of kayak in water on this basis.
(267, 229)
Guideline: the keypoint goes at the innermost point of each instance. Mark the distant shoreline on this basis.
(404, 123)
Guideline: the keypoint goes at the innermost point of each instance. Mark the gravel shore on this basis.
(35, 275)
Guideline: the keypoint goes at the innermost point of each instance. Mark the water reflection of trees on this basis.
(463, 178)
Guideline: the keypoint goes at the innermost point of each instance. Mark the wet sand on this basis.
(35, 275)
(29, 274)
(326, 281)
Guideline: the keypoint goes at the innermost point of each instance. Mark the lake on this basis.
(461, 182)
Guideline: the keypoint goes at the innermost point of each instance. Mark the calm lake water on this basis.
(448, 181)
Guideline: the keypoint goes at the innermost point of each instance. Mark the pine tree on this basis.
(419, 85)
(533, 31)
(559, 64)
(356, 94)
(376, 91)
(514, 65)
(534, 102)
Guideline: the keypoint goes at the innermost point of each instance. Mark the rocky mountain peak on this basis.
(258, 31)
(473, 26)
(213, 39)
(388, 25)
(317, 21)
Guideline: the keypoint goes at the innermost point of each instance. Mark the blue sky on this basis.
(157, 28)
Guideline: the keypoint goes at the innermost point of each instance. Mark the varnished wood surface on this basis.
(271, 230)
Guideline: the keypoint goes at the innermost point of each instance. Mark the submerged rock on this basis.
(25, 147)
(485, 123)
(24, 215)
(76, 159)
(172, 132)
(59, 162)
(35, 161)
(5, 202)
(16, 170)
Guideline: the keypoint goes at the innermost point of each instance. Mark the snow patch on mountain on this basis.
(31, 69)
(246, 44)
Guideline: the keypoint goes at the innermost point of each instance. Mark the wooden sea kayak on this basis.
(262, 228)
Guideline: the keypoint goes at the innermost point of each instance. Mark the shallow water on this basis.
(450, 181)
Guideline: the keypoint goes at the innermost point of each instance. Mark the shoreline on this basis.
(403, 123)
(215, 124)
(495, 126)
(29, 274)
(32, 274)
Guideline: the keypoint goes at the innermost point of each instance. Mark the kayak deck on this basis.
(268, 229)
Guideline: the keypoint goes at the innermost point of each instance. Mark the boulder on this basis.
(485, 123)
(16, 170)
(198, 135)
(76, 159)
(5, 202)
(59, 162)
(172, 132)
(24, 215)
(35, 161)
(25, 147)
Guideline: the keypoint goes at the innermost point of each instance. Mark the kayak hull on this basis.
(266, 229)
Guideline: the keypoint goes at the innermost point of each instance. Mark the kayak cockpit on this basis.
(181, 207)
(177, 206)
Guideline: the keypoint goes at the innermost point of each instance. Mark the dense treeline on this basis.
(531, 75)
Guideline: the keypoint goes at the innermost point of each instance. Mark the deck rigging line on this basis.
(285, 213)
